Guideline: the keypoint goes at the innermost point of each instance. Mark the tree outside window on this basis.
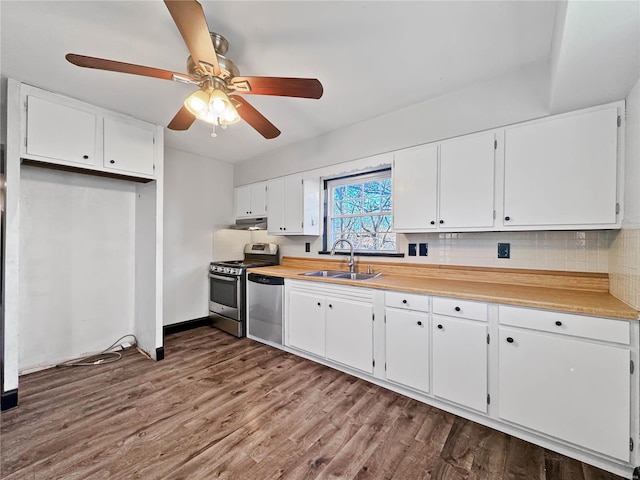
(359, 210)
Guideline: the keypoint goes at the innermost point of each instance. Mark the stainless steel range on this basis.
(228, 287)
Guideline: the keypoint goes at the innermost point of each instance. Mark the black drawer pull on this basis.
(419, 323)
(559, 323)
(112, 161)
(433, 222)
(404, 301)
(457, 309)
(507, 218)
(441, 222)
(509, 340)
(85, 157)
(440, 326)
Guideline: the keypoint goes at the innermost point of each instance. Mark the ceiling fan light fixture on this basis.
(212, 106)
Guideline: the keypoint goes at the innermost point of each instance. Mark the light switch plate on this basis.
(412, 249)
(423, 249)
(504, 250)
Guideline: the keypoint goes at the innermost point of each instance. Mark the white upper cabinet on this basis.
(293, 206)
(251, 200)
(128, 147)
(447, 186)
(63, 131)
(60, 132)
(561, 172)
(467, 167)
(415, 188)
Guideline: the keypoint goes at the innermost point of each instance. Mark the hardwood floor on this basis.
(220, 407)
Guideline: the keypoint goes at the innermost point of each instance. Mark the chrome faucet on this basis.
(351, 262)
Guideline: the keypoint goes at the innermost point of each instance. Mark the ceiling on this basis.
(372, 57)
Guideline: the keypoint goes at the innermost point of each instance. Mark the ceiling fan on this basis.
(217, 101)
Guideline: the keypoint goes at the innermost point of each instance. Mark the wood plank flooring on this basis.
(219, 407)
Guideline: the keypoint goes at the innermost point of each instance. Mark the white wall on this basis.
(198, 195)
(77, 250)
(624, 257)
(511, 98)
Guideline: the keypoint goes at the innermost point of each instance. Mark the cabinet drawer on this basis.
(460, 308)
(604, 329)
(408, 301)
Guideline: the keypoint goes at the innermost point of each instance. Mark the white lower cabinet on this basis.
(332, 322)
(574, 390)
(460, 361)
(407, 348)
(349, 333)
(306, 323)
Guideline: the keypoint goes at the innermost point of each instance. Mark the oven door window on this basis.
(223, 291)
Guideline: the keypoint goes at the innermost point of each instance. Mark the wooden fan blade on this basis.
(280, 86)
(182, 121)
(113, 66)
(190, 20)
(254, 118)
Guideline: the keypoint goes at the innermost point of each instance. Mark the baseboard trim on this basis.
(159, 354)
(187, 325)
(9, 400)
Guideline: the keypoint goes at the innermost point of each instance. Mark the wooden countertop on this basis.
(573, 292)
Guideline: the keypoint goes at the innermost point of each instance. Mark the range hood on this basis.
(256, 223)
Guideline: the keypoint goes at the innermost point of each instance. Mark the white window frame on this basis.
(362, 178)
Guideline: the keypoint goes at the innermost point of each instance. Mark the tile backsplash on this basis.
(624, 266)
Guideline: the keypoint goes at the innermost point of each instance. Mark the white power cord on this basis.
(104, 357)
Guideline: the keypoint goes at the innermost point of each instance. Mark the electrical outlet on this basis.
(423, 249)
(504, 250)
(412, 249)
(307, 247)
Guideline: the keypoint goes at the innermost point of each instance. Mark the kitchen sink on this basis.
(325, 273)
(341, 274)
(358, 276)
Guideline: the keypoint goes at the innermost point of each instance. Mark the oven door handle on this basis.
(226, 279)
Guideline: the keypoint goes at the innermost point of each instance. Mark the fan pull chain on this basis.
(213, 131)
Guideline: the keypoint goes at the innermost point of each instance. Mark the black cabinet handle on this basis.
(441, 222)
(559, 323)
(319, 304)
(440, 326)
(85, 157)
(404, 301)
(457, 309)
(330, 306)
(507, 218)
(284, 228)
(419, 323)
(112, 161)
(509, 340)
(433, 222)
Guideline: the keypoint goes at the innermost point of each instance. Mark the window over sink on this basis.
(359, 209)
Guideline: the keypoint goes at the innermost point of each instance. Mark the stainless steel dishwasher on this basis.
(264, 307)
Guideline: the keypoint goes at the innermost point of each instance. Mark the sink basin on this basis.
(325, 273)
(341, 274)
(358, 276)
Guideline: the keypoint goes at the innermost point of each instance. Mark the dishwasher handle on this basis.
(265, 279)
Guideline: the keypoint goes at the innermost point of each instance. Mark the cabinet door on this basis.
(60, 132)
(350, 333)
(460, 361)
(573, 390)
(128, 147)
(415, 181)
(407, 348)
(562, 171)
(258, 200)
(467, 182)
(293, 208)
(306, 323)
(275, 206)
(242, 201)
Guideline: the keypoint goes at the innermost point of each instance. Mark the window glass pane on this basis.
(361, 212)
